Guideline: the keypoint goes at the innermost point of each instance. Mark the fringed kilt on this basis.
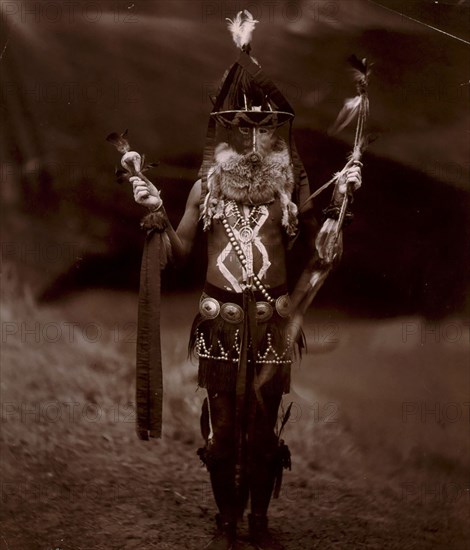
(216, 343)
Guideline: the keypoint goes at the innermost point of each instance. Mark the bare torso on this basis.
(262, 245)
(224, 269)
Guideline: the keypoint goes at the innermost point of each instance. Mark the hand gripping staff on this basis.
(337, 212)
(149, 384)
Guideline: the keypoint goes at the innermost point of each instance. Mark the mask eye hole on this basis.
(263, 131)
(243, 130)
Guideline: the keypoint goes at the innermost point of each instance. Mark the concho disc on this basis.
(209, 308)
(232, 313)
(264, 311)
(283, 305)
(246, 234)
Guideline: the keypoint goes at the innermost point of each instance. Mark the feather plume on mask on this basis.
(242, 27)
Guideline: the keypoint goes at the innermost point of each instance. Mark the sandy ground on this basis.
(379, 434)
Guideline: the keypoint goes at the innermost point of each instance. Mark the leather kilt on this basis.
(216, 337)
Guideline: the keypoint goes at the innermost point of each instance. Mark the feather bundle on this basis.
(242, 27)
(346, 115)
(119, 141)
(358, 105)
(360, 66)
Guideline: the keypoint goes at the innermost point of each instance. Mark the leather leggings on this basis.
(221, 454)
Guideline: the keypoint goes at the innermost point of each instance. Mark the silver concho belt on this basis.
(210, 308)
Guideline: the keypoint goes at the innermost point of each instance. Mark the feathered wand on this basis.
(329, 239)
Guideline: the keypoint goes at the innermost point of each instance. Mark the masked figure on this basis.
(247, 200)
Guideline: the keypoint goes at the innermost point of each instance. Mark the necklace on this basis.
(244, 225)
(242, 235)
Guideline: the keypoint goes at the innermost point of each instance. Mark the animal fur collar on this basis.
(235, 177)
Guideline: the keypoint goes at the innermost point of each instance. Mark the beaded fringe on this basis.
(216, 344)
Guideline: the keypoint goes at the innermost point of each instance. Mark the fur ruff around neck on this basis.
(234, 177)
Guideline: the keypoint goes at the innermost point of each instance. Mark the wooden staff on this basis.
(330, 237)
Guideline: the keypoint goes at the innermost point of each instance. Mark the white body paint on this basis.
(239, 228)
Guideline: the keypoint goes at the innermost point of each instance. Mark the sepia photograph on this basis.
(235, 274)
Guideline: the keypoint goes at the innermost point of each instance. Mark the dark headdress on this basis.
(247, 97)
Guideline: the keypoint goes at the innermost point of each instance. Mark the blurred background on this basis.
(382, 399)
(72, 74)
